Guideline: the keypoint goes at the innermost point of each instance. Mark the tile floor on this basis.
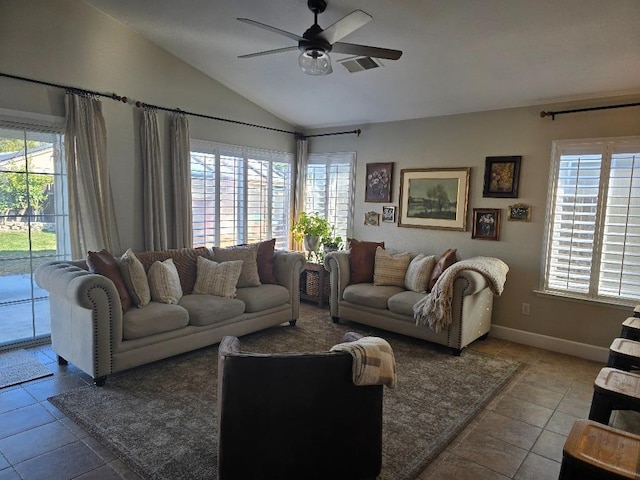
(519, 435)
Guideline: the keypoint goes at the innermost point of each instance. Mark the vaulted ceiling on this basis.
(459, 55)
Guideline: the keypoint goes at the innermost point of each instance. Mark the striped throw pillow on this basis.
(419, 273)
(218, 279)
(390, 269)
(135, 278)
(164, 282)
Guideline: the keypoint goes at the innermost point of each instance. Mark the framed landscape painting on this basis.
(434, 198)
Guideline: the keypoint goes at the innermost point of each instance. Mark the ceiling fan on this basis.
(316, 43)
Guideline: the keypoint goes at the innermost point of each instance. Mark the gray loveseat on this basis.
(90, 329)
(391, 307)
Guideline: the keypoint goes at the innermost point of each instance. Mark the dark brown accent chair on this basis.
(295, 416)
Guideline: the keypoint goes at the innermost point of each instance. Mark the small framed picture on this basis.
(372, 219)
(501, 177)
(486, 223)
(378, 186)
(519, 213)
(389, 214)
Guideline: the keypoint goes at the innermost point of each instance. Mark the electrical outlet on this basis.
(525, 308)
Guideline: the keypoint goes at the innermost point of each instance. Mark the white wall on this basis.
(465, 141)
(67, 42)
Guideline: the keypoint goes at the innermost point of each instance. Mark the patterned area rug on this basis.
(161, 418)
(18, 366)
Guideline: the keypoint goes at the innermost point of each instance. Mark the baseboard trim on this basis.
(582, 350)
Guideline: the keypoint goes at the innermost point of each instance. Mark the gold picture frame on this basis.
(519, 213)
(372, 219)
(434, 198)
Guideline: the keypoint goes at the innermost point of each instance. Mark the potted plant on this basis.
(311, 228)
(331, 243)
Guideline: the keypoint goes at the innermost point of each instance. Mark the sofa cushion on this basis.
(153, 318)
(185, 260)
(103, 263)
(164, 282)
(448, 258)
(369, 295)
(218, 279)
(263, 297)
(419, 273)
(403, 302)
(390, 269)
(135, 278)
(362, 257)
(210, 309)
(248, 254)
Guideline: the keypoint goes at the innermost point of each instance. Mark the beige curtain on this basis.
(91, 214)
(181, 173)
(300, 179)
(155, 214)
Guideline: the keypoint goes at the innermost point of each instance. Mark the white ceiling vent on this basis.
(358, 64)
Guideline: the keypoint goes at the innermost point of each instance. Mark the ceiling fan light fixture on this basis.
(315, 62)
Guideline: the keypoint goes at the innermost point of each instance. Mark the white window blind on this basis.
(593, 245)
(329, 189)
(239, 194)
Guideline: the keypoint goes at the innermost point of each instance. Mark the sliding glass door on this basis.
(33, 227)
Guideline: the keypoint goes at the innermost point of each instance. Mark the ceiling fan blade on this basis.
(366, 51)
(346, 25)
(269, 52)
(290, 35)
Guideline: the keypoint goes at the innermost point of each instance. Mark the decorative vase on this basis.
(312, 243)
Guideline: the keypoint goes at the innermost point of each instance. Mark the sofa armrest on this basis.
(86, 315)
(288, 267)
(470, 282)
(337, 264)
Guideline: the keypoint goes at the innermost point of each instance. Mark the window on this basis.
(33, 221)
(239, 194)
(329, 189)
(593, 242)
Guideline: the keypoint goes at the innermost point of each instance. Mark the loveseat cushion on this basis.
(210, 309)
(403, 302)
(263, 297)
(153, 318)
(370, 295)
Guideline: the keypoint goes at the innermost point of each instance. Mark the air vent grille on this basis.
(359, 64)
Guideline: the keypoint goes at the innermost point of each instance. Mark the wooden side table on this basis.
(313, 281)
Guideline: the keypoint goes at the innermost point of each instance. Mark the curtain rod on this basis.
(588, 109)
(139, 104)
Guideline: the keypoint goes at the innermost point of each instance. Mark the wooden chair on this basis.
(614, 390)
(597, 452)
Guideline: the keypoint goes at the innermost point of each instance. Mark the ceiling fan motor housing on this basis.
(311, 41)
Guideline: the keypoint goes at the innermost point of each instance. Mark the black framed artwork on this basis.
(501, 177)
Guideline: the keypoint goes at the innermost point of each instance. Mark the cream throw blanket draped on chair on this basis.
(373, 361)
(435, 308)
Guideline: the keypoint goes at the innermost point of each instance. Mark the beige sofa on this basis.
(90, 330)
(391, 307)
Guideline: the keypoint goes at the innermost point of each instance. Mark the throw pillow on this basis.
(267, 261)
(183, 258)
(390, 269)
(362, 257)
(217, 278)
(103, 263)
(135, 278)
(419, 273)
(248, 254)
(164, 282)
(448, 258)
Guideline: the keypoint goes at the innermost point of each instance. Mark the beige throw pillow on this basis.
(217, 278)
(249, 276)
(135, 278)
(390, 269)
(419, 273)
(164, 282)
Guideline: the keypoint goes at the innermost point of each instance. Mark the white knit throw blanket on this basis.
(373, 361)
(435, 308)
